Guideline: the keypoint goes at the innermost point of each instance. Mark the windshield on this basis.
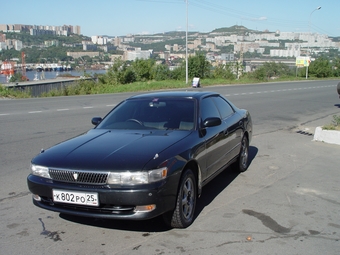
(155, 113)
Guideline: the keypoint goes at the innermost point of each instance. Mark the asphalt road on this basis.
(287, 202)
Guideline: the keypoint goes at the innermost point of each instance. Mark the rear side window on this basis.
(208, 109)
(223, 106)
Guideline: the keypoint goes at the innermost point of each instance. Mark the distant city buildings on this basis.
(82, 54)
(34, 30)
(51, 43)
(220, 47)
(100, 40)
(9, 43)
(293, 42)
(41, 30)
(134, 53)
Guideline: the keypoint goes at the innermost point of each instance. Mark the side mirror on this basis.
(96, 120)
(212, 122)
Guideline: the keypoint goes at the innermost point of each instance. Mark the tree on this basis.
(143, 69)
(336, 67)
(238, 68)
(320, 68)
(16, 77)
(179, 72)
(258, 74)
(9, 54)
(224, 71)
(161, 72)
(120, 73)
(198, 66)
(113, 74)
(276, 69)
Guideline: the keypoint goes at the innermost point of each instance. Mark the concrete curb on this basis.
(327, 136)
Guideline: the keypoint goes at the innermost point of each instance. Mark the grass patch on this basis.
(334, 125)
(12, 93)
(87, 87)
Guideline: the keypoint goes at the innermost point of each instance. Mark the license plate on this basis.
(75, 197)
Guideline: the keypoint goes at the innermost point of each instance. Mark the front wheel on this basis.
(183, 215)
(242, 162)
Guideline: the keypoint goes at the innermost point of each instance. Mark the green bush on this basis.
(161, 72)
(224, 71)
(12, 93)
(320, 68)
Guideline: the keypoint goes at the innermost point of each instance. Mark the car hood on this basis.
(109, 149)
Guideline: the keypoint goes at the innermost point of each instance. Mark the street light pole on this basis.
(186, 48)
(310, 15)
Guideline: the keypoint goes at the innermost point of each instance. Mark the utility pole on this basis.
(240, 62)
(308, 61)
(186, 47)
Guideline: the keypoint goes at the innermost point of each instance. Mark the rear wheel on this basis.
(183, 215)
(242, 162)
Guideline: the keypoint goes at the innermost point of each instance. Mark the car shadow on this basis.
(210, 192)
(220, 182)
(153, 225)
(337, 105)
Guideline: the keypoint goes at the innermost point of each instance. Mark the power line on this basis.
(259, 19)
(281, 24)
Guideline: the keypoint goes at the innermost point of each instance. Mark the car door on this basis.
(214, 137)
(234, 130)
(233, 133)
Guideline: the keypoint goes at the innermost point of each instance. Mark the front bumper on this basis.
(114, 203)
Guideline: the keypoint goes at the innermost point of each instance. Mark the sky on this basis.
(124, 17)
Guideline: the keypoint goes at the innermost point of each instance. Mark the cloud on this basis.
(255, 19)
(259, 19)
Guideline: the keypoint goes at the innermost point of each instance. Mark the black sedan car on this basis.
(150, 156)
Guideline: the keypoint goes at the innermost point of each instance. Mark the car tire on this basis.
(183, 215)
(243, 158)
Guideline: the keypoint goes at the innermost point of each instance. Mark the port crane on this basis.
(23, 67)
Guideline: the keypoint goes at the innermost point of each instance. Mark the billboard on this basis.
(302, 61)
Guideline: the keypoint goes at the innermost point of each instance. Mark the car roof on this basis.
(178, 94)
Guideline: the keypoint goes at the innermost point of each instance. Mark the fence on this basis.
(36, 88)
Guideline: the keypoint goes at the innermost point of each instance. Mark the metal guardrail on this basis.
(37, 88)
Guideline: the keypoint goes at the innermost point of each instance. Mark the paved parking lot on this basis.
(287, 202)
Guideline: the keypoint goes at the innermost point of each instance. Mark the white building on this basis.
(3, 46)
(18, 45)
(99, 40)
(133, 55)
(285, 53)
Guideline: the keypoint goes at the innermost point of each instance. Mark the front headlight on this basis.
(134, 178)
(40, 171)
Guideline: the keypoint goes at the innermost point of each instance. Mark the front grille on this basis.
(77, 176)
